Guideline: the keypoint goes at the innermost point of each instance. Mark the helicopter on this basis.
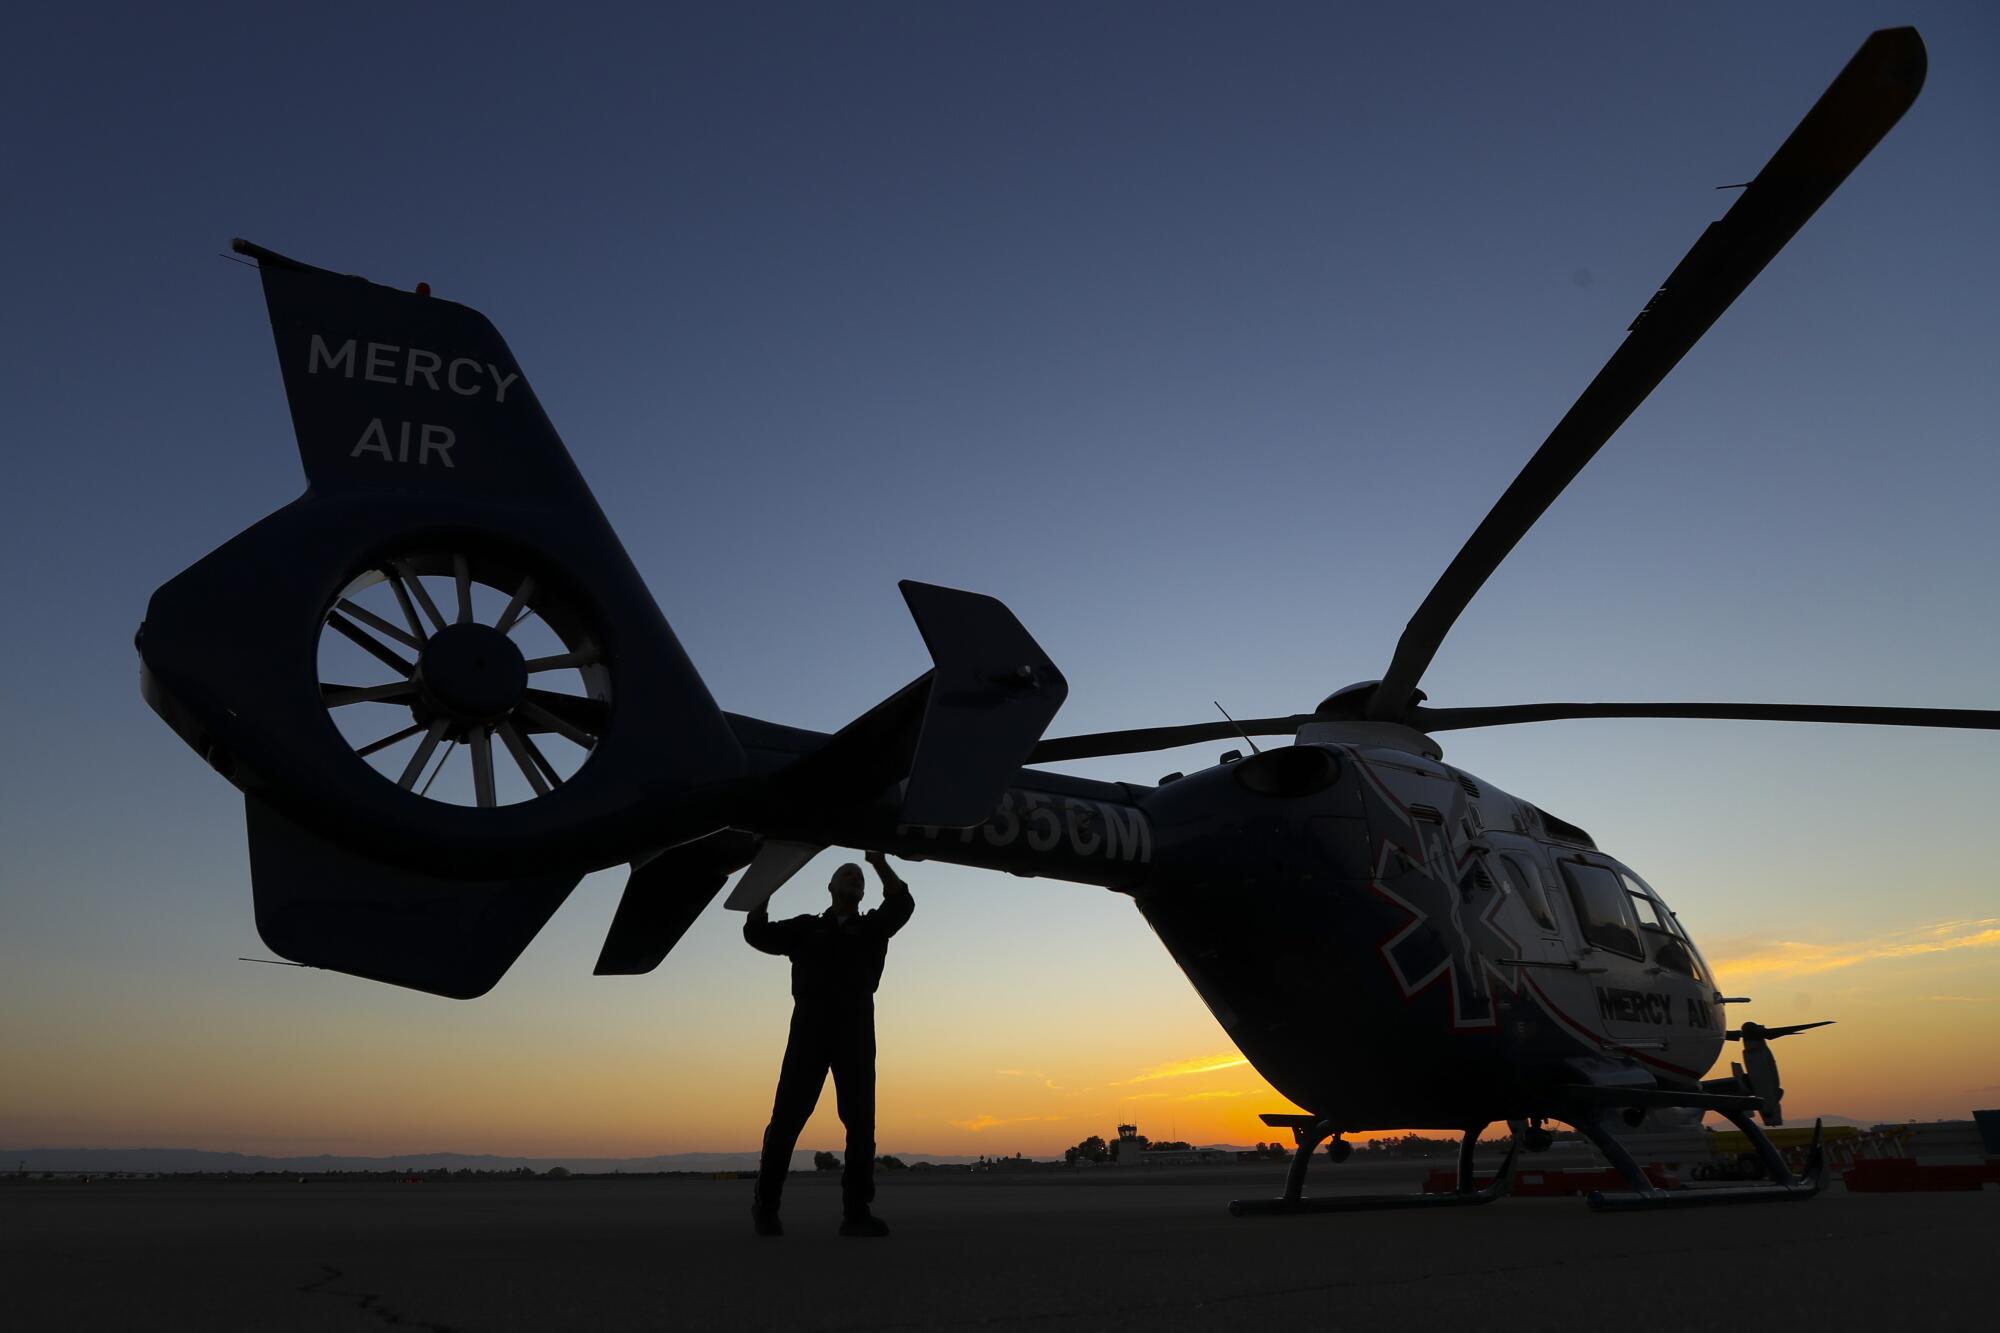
(447, 599)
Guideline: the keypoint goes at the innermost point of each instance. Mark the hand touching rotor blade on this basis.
(1141, 739)
(1458, 719)
(1868, 97)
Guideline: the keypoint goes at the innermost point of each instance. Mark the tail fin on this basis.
(407, 392)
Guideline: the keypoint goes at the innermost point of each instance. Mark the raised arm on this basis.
(897, 904)
(765, 936)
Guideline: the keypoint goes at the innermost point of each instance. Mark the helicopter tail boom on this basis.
(447, 694)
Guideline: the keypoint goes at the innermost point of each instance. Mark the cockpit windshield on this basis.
(1665, 943)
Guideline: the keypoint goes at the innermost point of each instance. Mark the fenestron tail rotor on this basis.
(497, 690)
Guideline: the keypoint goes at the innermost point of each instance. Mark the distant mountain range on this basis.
(194, 1159)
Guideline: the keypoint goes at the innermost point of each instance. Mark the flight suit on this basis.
(836, 966)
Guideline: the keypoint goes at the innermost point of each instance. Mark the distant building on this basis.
(1184, 1156)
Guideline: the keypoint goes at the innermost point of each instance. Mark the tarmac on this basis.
(1051, 1251)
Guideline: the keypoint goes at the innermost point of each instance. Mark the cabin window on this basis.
(1662, 934)
(1527, 883)
(1600, 902)
(1649, 913)
(1672, 954)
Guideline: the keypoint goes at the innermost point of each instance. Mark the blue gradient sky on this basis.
(1201, 335)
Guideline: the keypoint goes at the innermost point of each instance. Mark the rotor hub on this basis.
(472, 673)
(1352, 701)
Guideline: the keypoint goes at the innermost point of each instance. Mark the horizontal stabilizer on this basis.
(664, 896)
(857, 762)
(324, 906)
(993, 692)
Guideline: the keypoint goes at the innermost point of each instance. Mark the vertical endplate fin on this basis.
(993, 693)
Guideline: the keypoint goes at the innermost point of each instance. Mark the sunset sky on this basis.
(1201, 335)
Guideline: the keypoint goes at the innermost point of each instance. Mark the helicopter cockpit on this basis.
(1660, 931)
(1620, 913)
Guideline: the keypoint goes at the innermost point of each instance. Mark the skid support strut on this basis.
(1311, 1131)
(1308, 1138)
(1785, 1187)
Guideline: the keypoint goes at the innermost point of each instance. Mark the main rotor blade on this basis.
(1141, 739)
(1860, 106)
(1458, 719)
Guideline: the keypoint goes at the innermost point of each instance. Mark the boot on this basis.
(764, 1218)
(861, 1222)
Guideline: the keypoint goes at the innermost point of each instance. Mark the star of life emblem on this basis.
(1452, 937)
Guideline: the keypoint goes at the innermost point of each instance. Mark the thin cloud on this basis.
(981, 1122)
(1798, 958)
(1047, 1082)
(1204, 1064)
(1212, 1095)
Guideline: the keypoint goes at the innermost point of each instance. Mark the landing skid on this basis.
(1311, 1131)
(1785, 1187)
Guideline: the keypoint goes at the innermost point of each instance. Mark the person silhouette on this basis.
(837, 960)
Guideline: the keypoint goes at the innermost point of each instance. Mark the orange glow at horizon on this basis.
(971, 1061)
